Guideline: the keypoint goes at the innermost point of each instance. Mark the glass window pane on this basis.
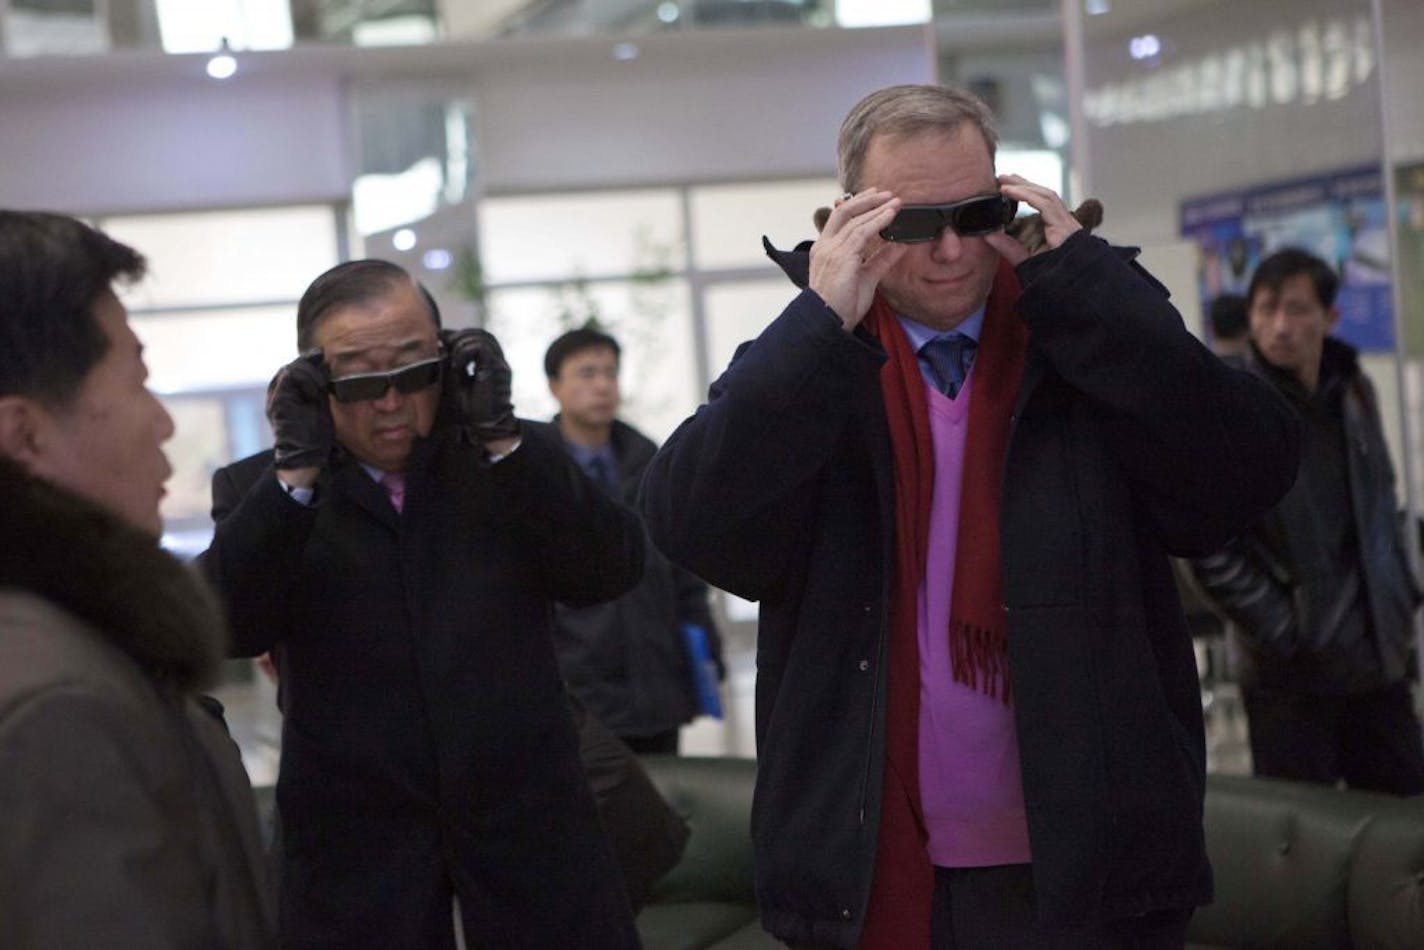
(215, 349)
(542, 237)
(1039, 165)
(198, 448)
(728, 221)
(737, 312)
(227, 257)
(653, 327)
(210, 430)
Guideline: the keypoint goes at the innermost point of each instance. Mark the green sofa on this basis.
(708, 900)
(1297, 866)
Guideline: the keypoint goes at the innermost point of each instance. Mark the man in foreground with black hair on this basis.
(127, 818)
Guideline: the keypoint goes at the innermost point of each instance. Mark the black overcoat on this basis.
(426, 740)
(1130, 441)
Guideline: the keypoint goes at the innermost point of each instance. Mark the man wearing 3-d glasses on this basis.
(399, 554)
(952, 471)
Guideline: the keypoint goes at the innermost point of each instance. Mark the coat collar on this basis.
(1339, 367)
(632, 450)
(141, 599)
(795, 263)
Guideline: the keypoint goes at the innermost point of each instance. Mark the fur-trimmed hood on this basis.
(143, 600)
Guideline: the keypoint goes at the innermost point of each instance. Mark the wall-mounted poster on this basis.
(1339, 217)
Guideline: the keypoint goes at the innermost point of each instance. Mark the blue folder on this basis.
(704, 670)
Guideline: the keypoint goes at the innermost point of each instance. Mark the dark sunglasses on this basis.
(916, 224)
(362, 387)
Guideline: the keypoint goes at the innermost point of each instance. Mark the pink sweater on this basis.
(969, 756)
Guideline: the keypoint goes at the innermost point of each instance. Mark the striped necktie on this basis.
(949, 358)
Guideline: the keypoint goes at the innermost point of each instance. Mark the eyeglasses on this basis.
(917, 224)
(362, 387)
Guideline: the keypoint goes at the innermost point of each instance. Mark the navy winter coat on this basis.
(1130, 441)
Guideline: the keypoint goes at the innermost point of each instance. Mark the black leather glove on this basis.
(301, 419)
(477, 385)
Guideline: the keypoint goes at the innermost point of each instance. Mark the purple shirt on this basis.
(969, 755)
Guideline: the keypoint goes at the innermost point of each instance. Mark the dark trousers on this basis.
(995, 908)
(659, 743)
(1370, 740)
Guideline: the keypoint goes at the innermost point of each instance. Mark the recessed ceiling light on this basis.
(222, 66)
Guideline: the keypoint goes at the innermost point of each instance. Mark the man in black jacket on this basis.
(625, 660)
(951, 472)
(1319, 588)
(399, 558)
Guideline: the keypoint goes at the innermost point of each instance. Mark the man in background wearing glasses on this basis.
(399, 556)
(952, 471)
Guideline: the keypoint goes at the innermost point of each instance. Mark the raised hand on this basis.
(477, 382)
(301, 418)
(1044, 231)
(849, 259)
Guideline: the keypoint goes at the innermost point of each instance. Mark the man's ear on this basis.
(21, 425)
(1333, 318)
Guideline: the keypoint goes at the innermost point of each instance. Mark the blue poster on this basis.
(1338, 217)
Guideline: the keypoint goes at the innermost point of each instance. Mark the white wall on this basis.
(749, 104)
(1143, 169)
(145, 132)
(1403, 32)
(175, 140)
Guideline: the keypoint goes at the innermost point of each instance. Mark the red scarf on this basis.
(899, 914)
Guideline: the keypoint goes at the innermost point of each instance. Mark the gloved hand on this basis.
(477, 385)
(300, 416)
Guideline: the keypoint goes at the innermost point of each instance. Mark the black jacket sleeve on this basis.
(254, 560)
(728, 494)
(1241, 580)
(1208, 447)
(591, 548)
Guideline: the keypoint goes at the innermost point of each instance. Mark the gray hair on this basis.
(907, 110)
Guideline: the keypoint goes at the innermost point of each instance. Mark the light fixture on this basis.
(860, 13)
(668, 12)
(403, 240)
(222, 66)
(437, 258)
(1097, 7)
(625, 52)
(1145, 46)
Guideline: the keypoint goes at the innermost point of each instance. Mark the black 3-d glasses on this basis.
(917, 224)
(362, 387)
